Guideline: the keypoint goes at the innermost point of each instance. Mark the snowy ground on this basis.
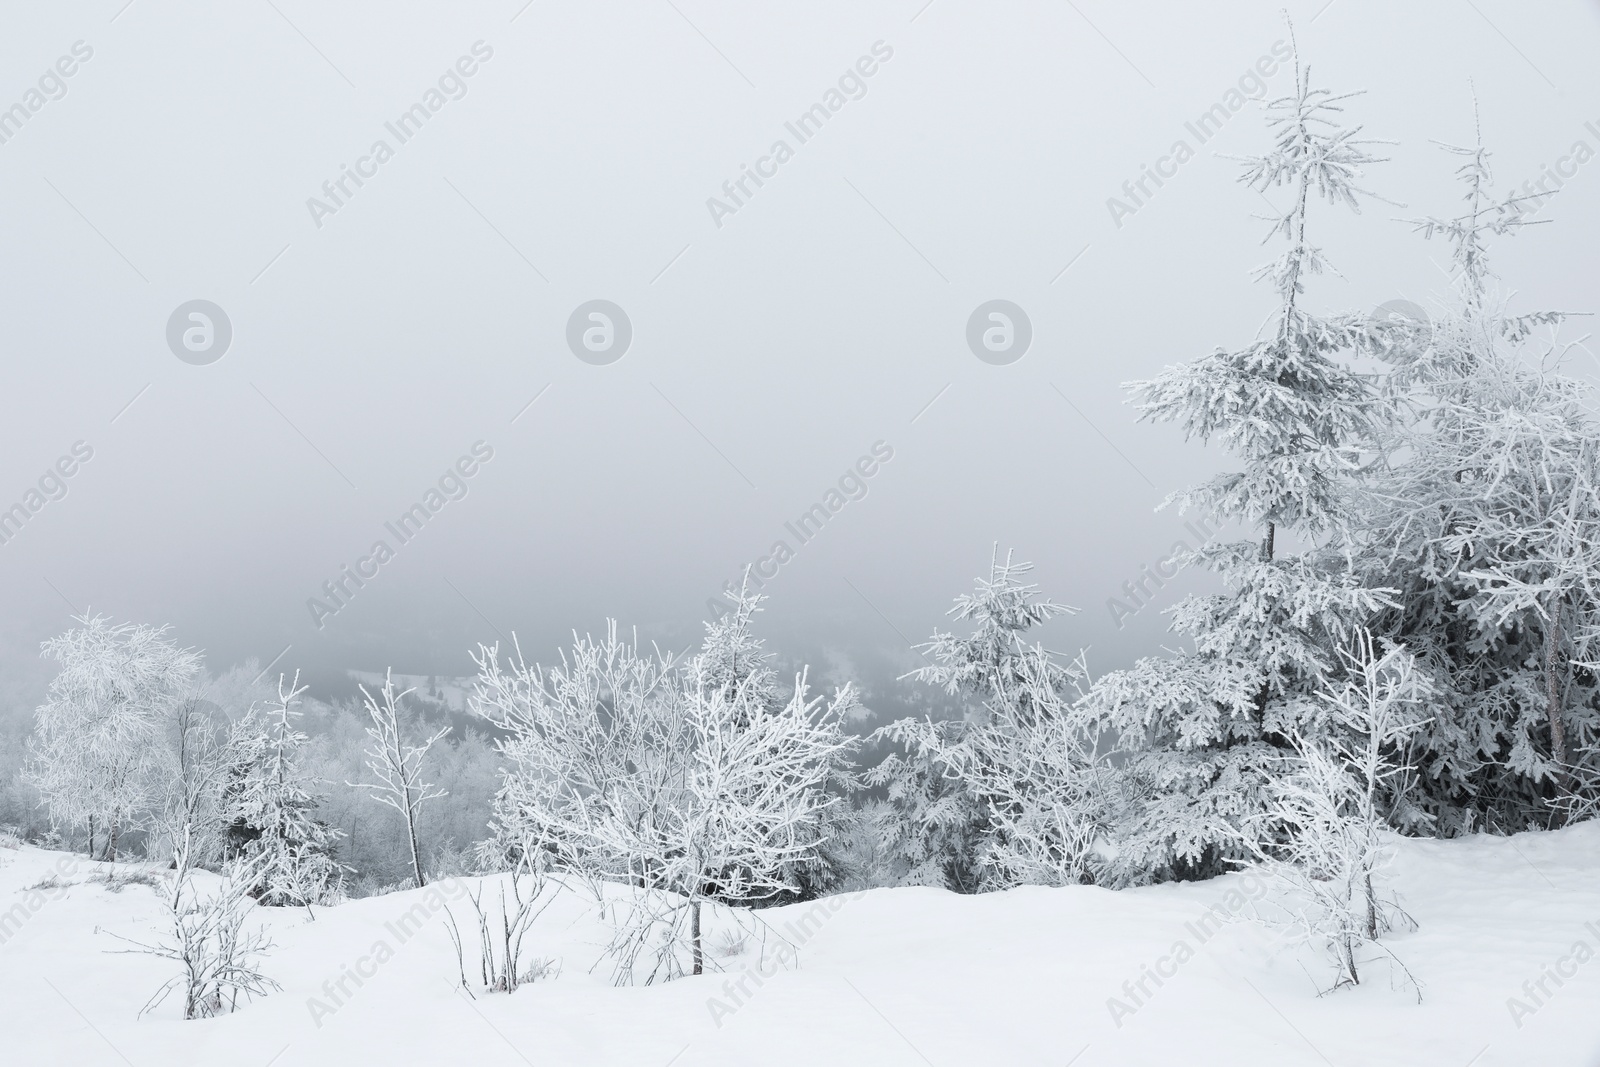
(909, 976)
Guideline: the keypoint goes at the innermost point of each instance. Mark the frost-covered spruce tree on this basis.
(1489, 525)
(997, 796)
(934, 836)
(1203, 727)
(271, 807)
(97, 750)
(732, 658)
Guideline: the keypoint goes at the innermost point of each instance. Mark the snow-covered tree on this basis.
(97, 748)
(734, 661)
(271, 805)
(1006, 794)
(198, 755)
(675, 780)
(732, 658)
(995, 663)
(935, 834)
(1485, 215)
(1325, 835)
(1288, 404)
(1049, 796)
(1487, 523)
(756, 800)
(194, 764)
(1504, 540)
(1203, 727)
(570, 731)
(397, 766)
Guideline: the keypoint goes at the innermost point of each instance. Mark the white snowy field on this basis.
(899, 976)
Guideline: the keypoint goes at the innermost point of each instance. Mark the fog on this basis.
(390, 333)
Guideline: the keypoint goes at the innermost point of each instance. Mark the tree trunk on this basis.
(694, 936)
(1266, 554)
(1558, 728)
(416, 855)
(91, 837)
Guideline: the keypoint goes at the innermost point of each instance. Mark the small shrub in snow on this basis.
(208, 939)
(730, 943)
(503, 921)
(540, 968)
(449, 860)
(1327, 808)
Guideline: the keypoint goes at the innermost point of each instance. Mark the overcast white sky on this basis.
(768, 354)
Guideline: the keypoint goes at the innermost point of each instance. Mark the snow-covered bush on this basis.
(681, 780)
(854, 853)
(502, 923)
(934, 836)
(209, 938)
(1050, 797)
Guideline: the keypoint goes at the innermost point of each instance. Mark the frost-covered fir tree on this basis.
(935, 834)
(732, 659)
(271, 807)
(1203, 727)
(97, 752)
(1004, 794)
(1488, 524)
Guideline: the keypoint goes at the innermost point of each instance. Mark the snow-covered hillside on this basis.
(891, 976)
